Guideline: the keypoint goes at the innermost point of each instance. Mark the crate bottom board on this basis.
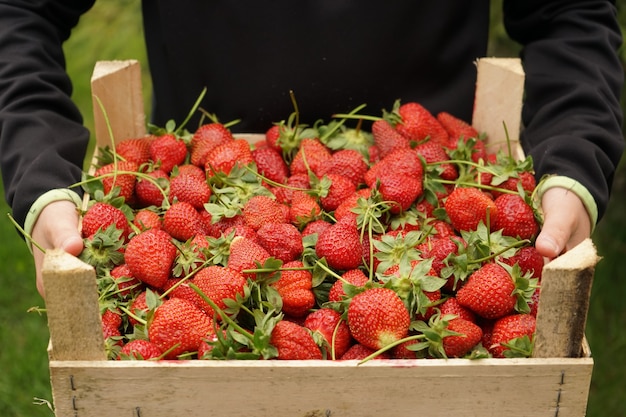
(433, 387)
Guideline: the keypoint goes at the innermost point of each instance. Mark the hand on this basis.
(566, 222)
(56, 227)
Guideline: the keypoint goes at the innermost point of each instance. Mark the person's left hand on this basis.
(56, 227)
(566, 222)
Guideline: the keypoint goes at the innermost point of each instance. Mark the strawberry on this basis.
(295, 289)
(360, 352)
(355, 277)
(470, 334)
(189, 169)
(315, 227)
(152, 192)
(341, 245)
(224, 157)
(178, 326)
(262, 209)
(512, 336)
(345, 209)
(182, 221)
(529, 261)
(150, 256)
(334, 332)
(456, 128)
(126, 283)
(135, 150)
(294, 342)
(488, 292)
(281, 240)
(139, 307)
(112, 177)
(341, 188)
(111, 323)
(387, 139)
(526, 178)
(270, 164)
(245, 254)
(417, 124)
(140, 349)
(147, 219)
(377, 317)
(310, 156)
(346, 162)
(399, 191)
(452, 306)
(190, 189)
(101, 215)
(303, 209)
(434, 153)
(180, 288)
(167, 151)
(467, 207)
(218, 284)
(205, 138)
(514, 217)
(401, 162)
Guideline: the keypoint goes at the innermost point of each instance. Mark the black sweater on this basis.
(334, 55)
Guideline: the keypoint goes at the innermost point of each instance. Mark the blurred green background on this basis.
(113, 30)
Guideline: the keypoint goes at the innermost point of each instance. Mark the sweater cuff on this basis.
(60, 194)
(575, 187)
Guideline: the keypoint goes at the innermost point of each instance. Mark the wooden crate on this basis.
(555, 382)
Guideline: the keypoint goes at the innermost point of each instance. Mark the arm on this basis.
(572, 113)
(42, 139)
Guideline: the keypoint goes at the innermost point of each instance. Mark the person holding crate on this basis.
(335, 55)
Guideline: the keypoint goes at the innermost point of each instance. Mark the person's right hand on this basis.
(56, 227)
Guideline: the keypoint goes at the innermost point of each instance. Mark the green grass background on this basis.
(113, 30)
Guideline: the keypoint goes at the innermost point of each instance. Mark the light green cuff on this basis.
(577, 188)
(60, 194)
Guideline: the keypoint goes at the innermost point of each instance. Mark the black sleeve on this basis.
(42, 139)
(572, 116)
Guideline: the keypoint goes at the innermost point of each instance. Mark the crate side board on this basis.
(489, 387)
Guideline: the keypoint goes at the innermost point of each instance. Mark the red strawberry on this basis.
(100, 216)
(139, 307)
(262, 209)
(135, 150)
(179, 326)
(355, 277)
(529, 261)
(488, 292)
(526, 178)
(341, 245)
(190, 189)
(303, 208)
(282, 240)
(180, 288)
(360, 352)
(205, 138)
(224, 157)
(346, 162)
(147, 219)
(315, 226)
(168, 151)
(340, 189)
(452, 306)
(189, 169)
(270, 164)
(314, 153)
(509, 328)
(294, 342)
(401, 162)
(244, 254)
(456, 346)
(112, 176)
(387, 139)
(350, 203)
(336, 337)
(456, 128)
(295, 289)
(399, 191)
(218, 284)
(182, 221)
(377, 317)
(111, 323)
(140, 349)
(514, 217)
(434, 152)
(467, 207)
(150, 256)
(126, 283)
(417, 124)
(151, 192)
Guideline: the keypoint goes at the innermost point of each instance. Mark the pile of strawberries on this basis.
(331, 241)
